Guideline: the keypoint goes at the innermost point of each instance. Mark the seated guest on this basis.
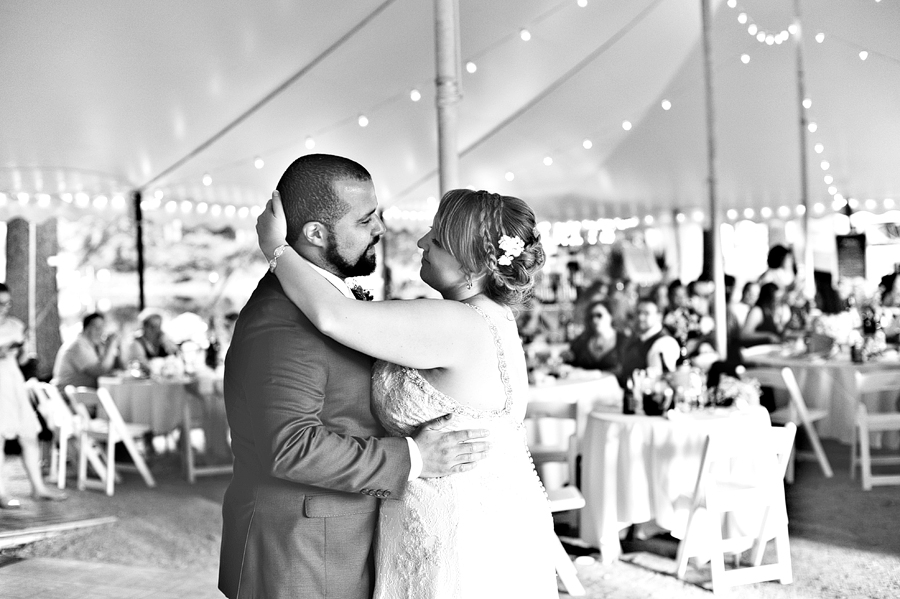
(650, 346)
(596, 347)
(749, 295)
(150, 342)
(90, 355)
(767, 319)
(733, 324)
(782, 268)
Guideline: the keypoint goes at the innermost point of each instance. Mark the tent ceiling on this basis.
(103, 97)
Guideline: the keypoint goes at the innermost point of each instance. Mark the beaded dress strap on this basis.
(501, 360)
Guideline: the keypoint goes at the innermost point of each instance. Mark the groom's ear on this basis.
(315, 233)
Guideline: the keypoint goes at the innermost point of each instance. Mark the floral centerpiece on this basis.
(736, 392)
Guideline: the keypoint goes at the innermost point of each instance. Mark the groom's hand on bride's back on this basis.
(449, 452)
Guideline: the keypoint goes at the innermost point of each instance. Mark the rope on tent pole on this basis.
(274, 93)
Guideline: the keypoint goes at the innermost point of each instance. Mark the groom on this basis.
(311, 463)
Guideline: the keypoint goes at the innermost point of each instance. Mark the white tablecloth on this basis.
(158, 404)
(831, 385)
(642, 468)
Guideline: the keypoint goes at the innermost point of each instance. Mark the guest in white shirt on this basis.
(749, 295)
(651, 347)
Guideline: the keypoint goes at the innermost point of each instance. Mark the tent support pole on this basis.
(809, 284)
(715, 233)
(139, 242)
(446, 36)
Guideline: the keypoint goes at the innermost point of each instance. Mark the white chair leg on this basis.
(853, 458)
(83, 445)
(566, 571)
(717, 557)
(138, 460)
(783, 550)
(759, 546)
(813, 437)
(111, 464)
(789, 475)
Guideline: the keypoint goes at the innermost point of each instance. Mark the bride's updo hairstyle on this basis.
(469, 224)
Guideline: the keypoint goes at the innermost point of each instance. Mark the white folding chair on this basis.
(718, 495)
(61, 421)
(797, 412)
(866, 423)
(109, 431)
(565, 498)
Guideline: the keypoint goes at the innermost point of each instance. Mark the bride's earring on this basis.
(468, 281)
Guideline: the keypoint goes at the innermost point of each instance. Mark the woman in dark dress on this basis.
(596, 347)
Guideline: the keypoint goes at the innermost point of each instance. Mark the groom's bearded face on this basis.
(351, 266)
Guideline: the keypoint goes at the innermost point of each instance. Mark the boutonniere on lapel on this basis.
(361, 293)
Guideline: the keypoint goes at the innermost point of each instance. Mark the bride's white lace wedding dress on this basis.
(482, 533)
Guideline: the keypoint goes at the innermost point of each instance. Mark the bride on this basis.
(481, 533)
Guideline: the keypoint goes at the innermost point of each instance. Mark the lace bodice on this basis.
(440, 539)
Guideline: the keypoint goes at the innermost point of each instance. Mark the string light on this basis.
(812, 127)
(525, 35)
(363, 120)
(587, 144)
(207, 179)
(310, 143)
(415, 95)
(626, 125)
(828, 179)
(745, 58)
(863, 55)
(666, 105)
(582, 3)
(819, 148)
(765, 212)
(820, 37)
(471, 67)
(824, 164)
(548, 160)
(510, 176)
(258, 162)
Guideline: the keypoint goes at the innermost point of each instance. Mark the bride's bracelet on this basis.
(276, 255)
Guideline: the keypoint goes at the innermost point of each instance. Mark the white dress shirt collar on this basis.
(338, 282)
(652, 331)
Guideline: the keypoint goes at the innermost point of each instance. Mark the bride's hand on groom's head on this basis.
(271, 226)
(450, 452)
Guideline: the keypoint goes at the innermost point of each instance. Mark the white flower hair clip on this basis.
(512, 248)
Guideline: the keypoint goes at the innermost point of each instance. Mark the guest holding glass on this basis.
(767, 319)
(17, 418)
(596, 348)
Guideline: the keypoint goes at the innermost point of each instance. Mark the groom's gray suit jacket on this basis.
(310, 460)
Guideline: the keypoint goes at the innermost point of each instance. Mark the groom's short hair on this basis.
(308, 193)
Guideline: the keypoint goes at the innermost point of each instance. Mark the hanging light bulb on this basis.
(207, 180)
(525, 35)
(582, 3)
(749, 212)
(807, 103)
(471, 67)
(784, 211)
(742, 18)
(666, 105)
(363, 120)
(888, 203)
(829, 179)
(415, 95)
(761, 37)
(626, 125)
(825, 166)
(765, 212)
(812, 127)
(819, 208)
(510, 176)
(258, 163)
(752, 29)
(745, 58)
(310, 143)
(793, 29)
(819, 148)
(548, 160)
(770, 39)
(587, 144)
(732, 3)
(863, 55)
(871, 204)
(832, 190)
(732, 214)
(820, 37)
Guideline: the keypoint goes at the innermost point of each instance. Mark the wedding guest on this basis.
(17, 417)
(651, 346)
(596, 347)
(767, 319)
(150, 342)
(749, 295)
(782, 268)
(89, 356)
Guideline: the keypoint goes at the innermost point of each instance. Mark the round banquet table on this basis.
(157, 403)
(640, 468)
(830, 384)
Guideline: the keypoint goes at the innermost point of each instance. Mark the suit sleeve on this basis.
(285, 399)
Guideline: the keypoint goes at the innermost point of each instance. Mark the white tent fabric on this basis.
(102, 97)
